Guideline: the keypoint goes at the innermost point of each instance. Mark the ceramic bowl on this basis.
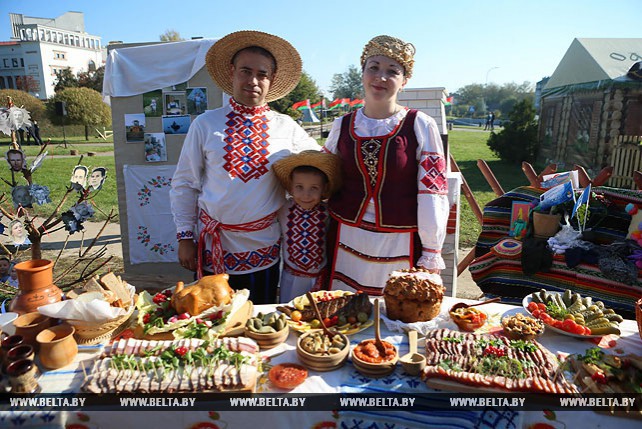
(322, 361)
(58, 347)
(374, 369)
(29, 325)
(271, 340)
(468, 319)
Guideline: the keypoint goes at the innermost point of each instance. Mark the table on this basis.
(346, 379)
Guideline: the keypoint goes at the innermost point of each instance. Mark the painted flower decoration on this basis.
(39, 194)
(19, 118)
(71, 224)
(82, 211)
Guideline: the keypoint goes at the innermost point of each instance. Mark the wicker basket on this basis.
(638, 315)
(96, 332)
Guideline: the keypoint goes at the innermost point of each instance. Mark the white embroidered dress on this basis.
(224, 170)
(365, 258)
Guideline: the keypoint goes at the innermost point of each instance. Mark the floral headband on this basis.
(391, 47)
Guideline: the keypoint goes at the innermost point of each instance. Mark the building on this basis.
(591, 110)
(41, 47)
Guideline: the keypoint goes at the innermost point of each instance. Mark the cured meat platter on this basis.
(188, 365)
(466, 362)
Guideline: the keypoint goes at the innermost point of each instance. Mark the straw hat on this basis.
(288, 62)
(326, 162)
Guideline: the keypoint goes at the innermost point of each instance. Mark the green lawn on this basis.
(55, 174)
(466, 145)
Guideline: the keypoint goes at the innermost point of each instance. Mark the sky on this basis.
(458, 43)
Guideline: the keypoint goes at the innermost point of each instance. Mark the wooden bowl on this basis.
(375, 369)
(271, 340)
(468, 324)
(322, 363)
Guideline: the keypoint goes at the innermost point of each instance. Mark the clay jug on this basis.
(58, 347)
(35, 284)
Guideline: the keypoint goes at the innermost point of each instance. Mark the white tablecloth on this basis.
(347, 379)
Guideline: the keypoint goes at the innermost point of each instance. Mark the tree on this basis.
(22, 99)
(171, 35)
(92, 79)
(27, 83)
(66, 79)
(491, 97)
(304, 90)
(84, 106)
(517, 142)
(347, 84)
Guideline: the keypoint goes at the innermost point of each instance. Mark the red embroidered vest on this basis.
(383, 168)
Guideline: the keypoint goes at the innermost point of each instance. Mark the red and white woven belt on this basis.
(212, 227)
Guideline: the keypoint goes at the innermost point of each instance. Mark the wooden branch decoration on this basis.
(603, 176)
(464, 263)
(637, 179)
(490, 177)
(45, 225)
(582, 176)
(550, 169)
(468, 193)
(530, 174)
(109, 217)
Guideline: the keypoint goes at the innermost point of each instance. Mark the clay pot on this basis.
(35, 284)
(29, 325)
(23, 351)
(22, 376)
(545, 225)
(58, 347)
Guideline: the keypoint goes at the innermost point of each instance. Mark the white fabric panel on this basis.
(152, 236)
(139, 69)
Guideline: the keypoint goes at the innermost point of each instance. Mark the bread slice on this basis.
(74, 293)
(110, 282)
(93, 286)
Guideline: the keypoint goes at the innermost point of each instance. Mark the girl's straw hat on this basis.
(327, 162)
(288, 62)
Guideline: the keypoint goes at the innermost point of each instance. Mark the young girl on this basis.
(309, 177)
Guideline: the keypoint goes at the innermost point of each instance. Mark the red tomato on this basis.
(569, 325)
(287, 375)
(536, 313)
(541, 306)
(532, 306)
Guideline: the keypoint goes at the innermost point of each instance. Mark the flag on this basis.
(584, 198)
(357, 102)
(336, 103)
(449, 101)
(316, 106)
(305, 104)
(557, 195)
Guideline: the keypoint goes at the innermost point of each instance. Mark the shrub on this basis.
(23, 99)
(517, 142)
(84, 106)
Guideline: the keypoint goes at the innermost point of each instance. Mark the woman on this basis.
(392, 209)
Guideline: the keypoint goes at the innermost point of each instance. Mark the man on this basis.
(97, 178)
(79, 177)
(224, 194)
(16, 160)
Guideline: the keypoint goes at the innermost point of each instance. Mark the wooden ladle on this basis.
(326, 331)
(464, 305)
(378, 341)
(413, 362)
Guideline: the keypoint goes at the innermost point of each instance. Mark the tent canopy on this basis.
(596, 61)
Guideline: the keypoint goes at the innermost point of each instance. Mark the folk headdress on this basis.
(288, 62)
(391, 47)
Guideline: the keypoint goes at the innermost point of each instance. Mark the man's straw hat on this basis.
(288, 62)
(327, 162)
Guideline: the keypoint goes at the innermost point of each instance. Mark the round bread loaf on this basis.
(413, 295)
